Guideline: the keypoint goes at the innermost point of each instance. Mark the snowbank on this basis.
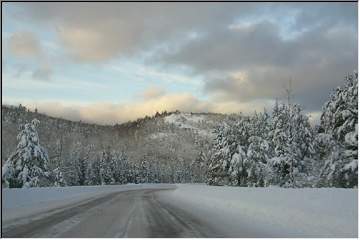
(20, 203)
(271, 212)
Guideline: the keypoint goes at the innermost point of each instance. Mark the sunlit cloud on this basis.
(127, 60)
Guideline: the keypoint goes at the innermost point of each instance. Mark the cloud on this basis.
(98, 32)
(111, 113)
(44, 73)
(245, 52)
(253, 61)
(153, 92)
(91, 44)
(24, 45)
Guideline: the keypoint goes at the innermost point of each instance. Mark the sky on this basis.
(113, 62)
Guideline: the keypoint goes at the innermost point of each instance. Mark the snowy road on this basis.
(182, 210)
(136, 213)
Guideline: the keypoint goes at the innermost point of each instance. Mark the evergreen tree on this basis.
(198, 168)
(105, 168)
(237, 169)
(219, 164)
(72, 164)
(122, 168)
(339, 121)
(58, 178)
(27, 166)
(292, 141)
(256, 162)
(143, 173)
(93, 172)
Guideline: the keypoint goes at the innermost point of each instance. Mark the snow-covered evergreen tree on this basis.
(119, 167)
(71, 165)
(143, 171)
(198, 168)
(27, 166)
(240, 133)
(292, 140)
(105, 168)
(237, 169)
(55, 166)
(339, 120)
(256, 162)
(222, 152)
(58, 178)
(93, 172)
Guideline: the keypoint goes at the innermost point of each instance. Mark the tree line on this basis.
(283, 149)
(277, 148)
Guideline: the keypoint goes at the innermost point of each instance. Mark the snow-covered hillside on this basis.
(185, 120)
(201, 124)
(168, 143)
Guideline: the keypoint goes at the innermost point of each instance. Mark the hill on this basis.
(169, 142)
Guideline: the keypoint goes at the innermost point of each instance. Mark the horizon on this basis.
(314, 120)
(109, 63)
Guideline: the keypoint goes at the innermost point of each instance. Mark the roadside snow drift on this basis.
(271, 212)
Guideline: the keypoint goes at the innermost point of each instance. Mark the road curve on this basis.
(137, 213)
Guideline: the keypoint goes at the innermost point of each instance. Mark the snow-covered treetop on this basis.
(28, 134)
(340, 112)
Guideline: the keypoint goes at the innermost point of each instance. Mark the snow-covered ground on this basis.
(195, 122)
(272, 212)
(230, 211)
(23, 202)
(184, 120)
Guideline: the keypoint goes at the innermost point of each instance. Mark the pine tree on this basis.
(71, 168)
(55, 166)
(124, 168)
(339, 120)
(143, 174)
(197, 168)
(93, 172)
(222, 152)
(256, 162)
(27, 166)
(58, 178)
(105, 168)
(237, 169)
(292, 142)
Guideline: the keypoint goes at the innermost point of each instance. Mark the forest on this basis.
(271, 148)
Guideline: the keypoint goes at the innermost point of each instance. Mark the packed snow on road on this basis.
(23, 202)
(228, 211)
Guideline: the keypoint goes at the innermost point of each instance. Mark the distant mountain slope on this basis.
(169, 139)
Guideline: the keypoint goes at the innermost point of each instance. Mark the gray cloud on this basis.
(93, 32)
(327, 14)
(315, 44)
(254, 61)
(24, 45)
(43, 73)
